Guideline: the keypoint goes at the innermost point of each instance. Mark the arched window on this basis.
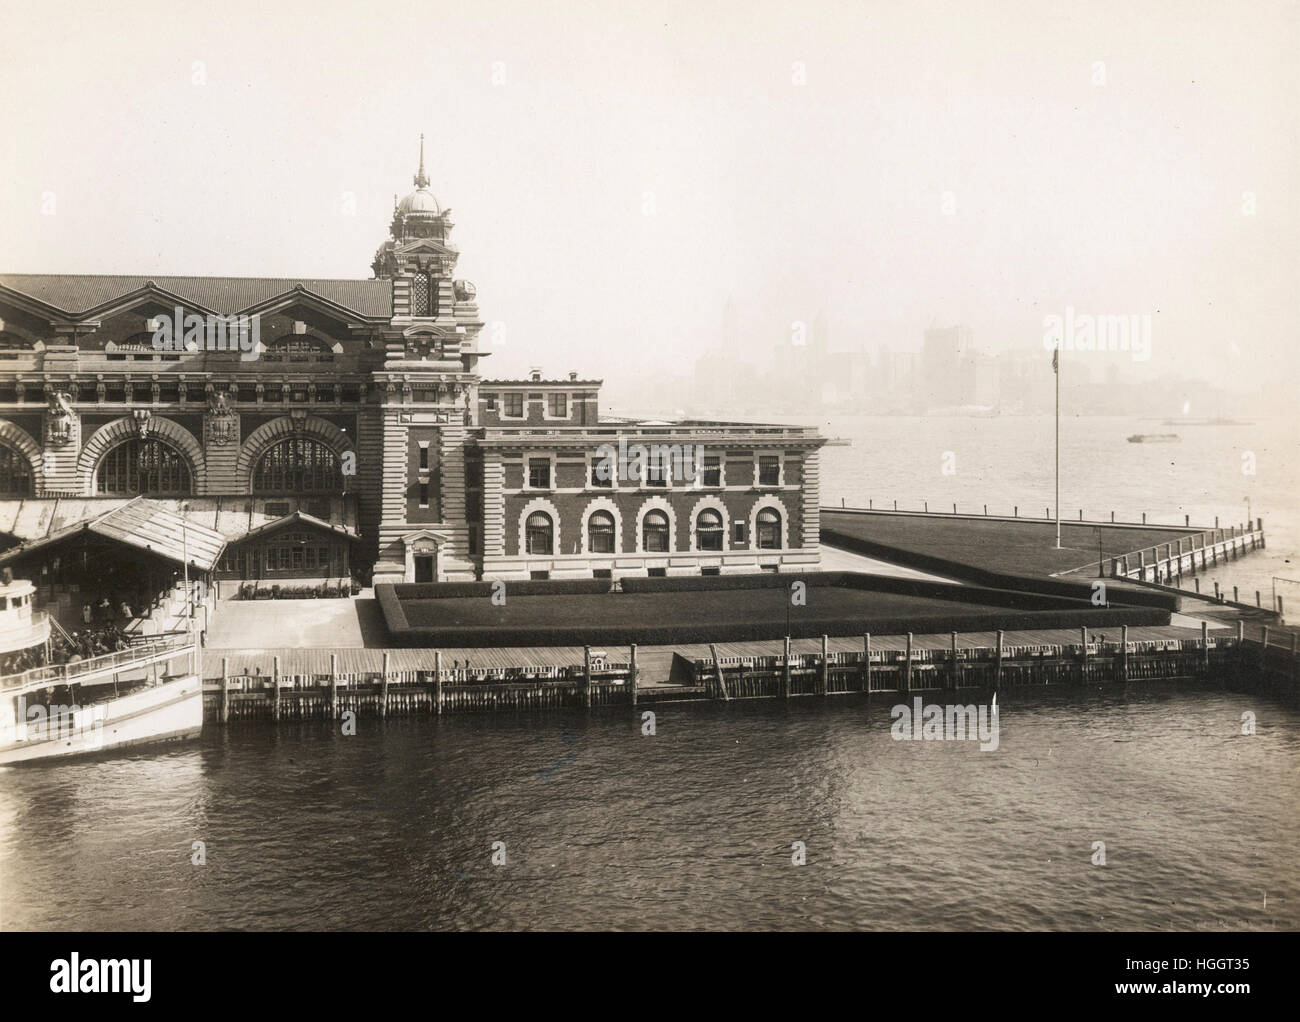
(708, 530)
(654, 532)
(298, 349)
(769, 530)
(151, 467)
(15, 472)
(539, 533)
(600, 533)
(298, 465)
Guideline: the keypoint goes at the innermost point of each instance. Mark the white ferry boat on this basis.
(148, 693)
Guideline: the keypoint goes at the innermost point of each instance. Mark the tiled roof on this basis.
(36, 519)
(77, 293)
(143, 524)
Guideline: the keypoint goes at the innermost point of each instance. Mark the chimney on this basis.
(573, 377)
(535, 374)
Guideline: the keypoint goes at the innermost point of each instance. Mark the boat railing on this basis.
(59, 674)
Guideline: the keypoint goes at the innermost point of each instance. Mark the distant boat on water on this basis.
(1153, 438)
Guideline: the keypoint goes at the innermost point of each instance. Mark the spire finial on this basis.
(421, 180)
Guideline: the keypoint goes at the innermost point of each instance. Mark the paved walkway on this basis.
(299, 624)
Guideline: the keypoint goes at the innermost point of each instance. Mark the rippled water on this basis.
(690, 828)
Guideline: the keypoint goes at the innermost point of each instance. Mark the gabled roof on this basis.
(79, 293)
(143, 524)
(297, 518)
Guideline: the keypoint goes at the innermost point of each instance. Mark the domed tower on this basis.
(428, 387)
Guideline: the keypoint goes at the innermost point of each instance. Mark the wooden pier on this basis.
(412, 682)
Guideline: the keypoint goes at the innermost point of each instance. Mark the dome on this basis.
(419, 201)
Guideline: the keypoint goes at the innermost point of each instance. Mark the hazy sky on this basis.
(616, 171)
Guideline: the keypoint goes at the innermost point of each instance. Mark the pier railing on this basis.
(80, 670)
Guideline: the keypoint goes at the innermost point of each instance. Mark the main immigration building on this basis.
(359, 438)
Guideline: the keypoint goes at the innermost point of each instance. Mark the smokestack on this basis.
(535, 374)
(573, 376)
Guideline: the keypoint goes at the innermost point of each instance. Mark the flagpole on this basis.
(1056, 365)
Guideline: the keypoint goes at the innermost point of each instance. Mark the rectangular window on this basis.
(710, 571)
(769, 470)
(603, 467)
(424, 495)
(774, 568)
(490, 402)
(738, 531)
(539, 576)
(602, 573)
(309, 555)
(657, 572)
(557, 405)
(424, 456)
(323, 558)
(712, 470)
(514, 406)
(539, 473)
(297, 556)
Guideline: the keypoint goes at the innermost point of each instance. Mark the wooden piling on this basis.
(907, 667)
(997, 667)
(631, 674)
(225, 689)
(1263, 650)
(383, 688)
(586, 676)
(1123, 654)
(1205, 647)
(785, 681)
(952, 676)
(866, 663)
(717, 671)
(826, 666)
(334, 686)
(275, 692)
(437, 681)
(1083, 655)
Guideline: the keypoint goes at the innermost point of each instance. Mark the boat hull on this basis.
(170, 712)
